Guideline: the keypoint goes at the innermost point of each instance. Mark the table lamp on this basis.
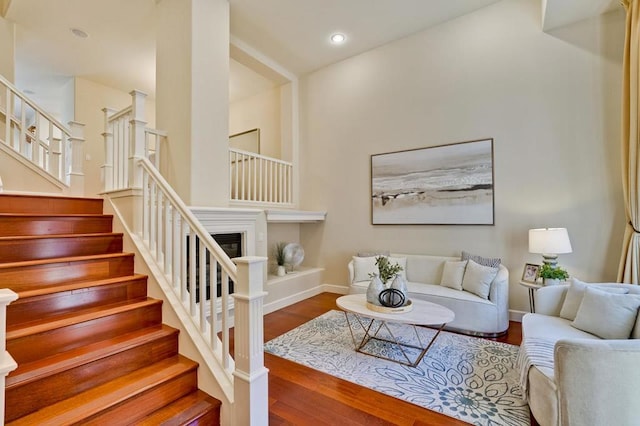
(549, 242)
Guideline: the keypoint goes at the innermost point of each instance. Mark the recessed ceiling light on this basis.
(338, 38)
(79, 33)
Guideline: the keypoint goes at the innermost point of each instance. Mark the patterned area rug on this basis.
(471, 379)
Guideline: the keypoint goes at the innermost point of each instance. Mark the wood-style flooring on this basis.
(302, 396)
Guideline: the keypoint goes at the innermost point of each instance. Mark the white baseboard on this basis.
(516, 315)
(299, 297)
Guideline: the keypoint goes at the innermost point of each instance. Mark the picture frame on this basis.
(530, 273)
(449, 184)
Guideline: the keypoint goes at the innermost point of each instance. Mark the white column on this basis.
(75, 175)
(192, 97)
(251, 386)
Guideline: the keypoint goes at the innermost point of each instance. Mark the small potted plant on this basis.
(279, 255)
(386, 270)
(552, 275)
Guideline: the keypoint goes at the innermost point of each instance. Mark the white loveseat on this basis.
(475, 315)
(585, 379)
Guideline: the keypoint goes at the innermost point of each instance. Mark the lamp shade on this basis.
(549, 240)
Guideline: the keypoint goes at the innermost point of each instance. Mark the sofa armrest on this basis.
(351, 272)
(597, 381)
(549, 299)
(499, 295)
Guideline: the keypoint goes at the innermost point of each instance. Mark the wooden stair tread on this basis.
(110, 394)
(182, 411)
(31, 371)
(46, 324)
(68, 259)
(54, 215)
(26, 291)
(59, 236)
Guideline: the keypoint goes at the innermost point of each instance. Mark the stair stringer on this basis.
(212, 377)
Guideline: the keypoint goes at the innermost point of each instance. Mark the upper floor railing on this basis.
(256, 178)
(36, 136)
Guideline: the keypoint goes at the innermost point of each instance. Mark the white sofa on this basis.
(474, 315)
(590, 380)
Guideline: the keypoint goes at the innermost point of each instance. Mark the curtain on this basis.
(630, 261)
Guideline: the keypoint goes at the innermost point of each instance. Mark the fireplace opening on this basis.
(231, 244)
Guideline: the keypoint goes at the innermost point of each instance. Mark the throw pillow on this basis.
(362, 267)
(402, 261)
(575, 293)
(453, 274)
(493, 262)
(478, 278)
(607, 315)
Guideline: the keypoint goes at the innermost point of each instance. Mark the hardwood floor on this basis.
(302, 396)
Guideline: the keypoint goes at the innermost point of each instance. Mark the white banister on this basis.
(7, 363)
(36, 136)
(255, 178)
(189, 258)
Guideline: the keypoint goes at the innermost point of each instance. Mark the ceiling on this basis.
(120, 49)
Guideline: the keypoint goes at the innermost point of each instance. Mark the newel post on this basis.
(137, 142)
(7, 363)
(107, 167)
(75, 178)
(251, 387)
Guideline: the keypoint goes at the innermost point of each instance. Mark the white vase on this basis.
(373, 291)
(400, 284)
(281, 272)
(551, 281)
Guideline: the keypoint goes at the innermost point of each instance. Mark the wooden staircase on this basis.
(90, 345)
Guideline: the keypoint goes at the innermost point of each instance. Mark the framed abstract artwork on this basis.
(440, 185)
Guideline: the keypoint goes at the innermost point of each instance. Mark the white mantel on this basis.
(219, 220)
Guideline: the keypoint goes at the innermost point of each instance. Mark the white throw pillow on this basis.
(362, 267)
(607, 315)
(402, 261)
(453, 274)
(478, 278)
(575, 293)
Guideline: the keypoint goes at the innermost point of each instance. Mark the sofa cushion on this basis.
(607, 315)
(373, 253)
(575, 293)
(551, 328)
(453, 273)
(493, 262)
(362, 267)
(477, 279)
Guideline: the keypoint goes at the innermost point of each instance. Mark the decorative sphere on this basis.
(391, 298)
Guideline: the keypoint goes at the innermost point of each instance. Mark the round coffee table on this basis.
(423, 314)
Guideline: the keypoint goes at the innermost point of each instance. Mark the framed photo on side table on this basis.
(530, 273)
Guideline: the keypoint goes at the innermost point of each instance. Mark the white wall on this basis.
(90, 99)
(261, 111)
(550, 101)
(7, 49)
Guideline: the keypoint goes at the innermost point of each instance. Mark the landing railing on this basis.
(259, 179)
(209, 292)
(122, 133)
(38, 138)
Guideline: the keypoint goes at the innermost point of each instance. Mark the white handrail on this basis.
(256, 178)
(7, 363)
(34, 134)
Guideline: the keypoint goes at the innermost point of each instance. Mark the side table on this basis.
(532, 288)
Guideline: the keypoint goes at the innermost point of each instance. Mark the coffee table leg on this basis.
(366, 329)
